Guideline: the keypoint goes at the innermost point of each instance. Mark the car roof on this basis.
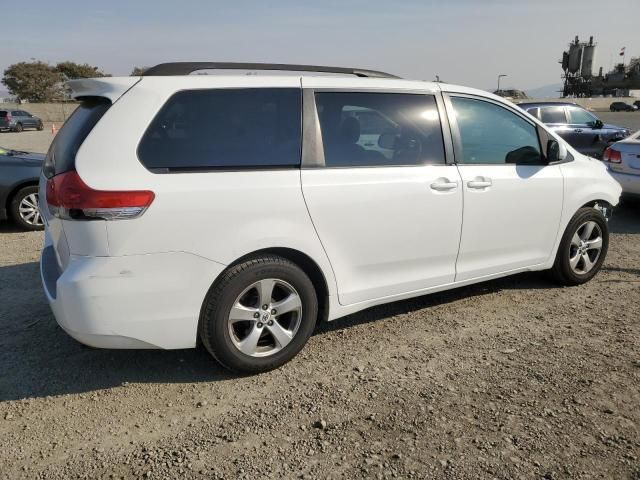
(548, 104)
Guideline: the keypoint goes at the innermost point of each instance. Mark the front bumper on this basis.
(137, 301)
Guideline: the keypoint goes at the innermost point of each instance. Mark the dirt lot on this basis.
(510, 379)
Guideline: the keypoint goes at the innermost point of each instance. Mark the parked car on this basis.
(18, 120)
(622, 107)
(19, 175)
(241, 210)
(582, 129)
(623, 160)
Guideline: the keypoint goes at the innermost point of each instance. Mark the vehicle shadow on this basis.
(626, 218)
(39, 359)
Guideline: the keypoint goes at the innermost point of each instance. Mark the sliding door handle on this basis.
(443, 184)
(479, 183)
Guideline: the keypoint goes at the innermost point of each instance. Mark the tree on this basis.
(34, 81)
(72, 70)
(137, 71)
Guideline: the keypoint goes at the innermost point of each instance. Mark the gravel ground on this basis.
(514, 378)
(34, 141)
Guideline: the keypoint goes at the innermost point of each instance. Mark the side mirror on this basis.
(387, 140)
(556, 151)
(598, 124)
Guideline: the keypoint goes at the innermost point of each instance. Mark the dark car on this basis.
(18, 120)
(622, 107)
(637, 104)
(19, 175)
(582, 129)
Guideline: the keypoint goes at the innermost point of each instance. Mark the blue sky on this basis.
(464, 41)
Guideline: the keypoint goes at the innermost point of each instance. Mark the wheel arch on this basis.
(302, 260)
(15, 189)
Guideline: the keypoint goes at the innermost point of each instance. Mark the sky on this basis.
(468, 42)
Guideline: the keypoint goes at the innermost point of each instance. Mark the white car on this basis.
(623, 160)
(242, 209)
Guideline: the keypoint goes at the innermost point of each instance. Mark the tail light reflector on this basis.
(70, 198)
(612, 156)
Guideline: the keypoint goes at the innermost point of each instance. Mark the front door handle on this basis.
(479, 183)
(578, 130)
(443, 184)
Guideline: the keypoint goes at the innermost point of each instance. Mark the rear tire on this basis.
(24, 209)
(582, 249)
(243, 335)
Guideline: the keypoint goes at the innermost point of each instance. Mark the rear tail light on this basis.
(9, 117)
(70, 198)
(612, 156)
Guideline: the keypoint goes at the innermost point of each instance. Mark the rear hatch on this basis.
(4, 119)
(63, 232)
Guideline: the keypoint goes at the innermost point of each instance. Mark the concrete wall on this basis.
(595, 104)
(48, 112)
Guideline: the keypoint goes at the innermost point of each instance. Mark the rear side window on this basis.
(379, 129)
(225, 128)
(553, 115)
(61, 156)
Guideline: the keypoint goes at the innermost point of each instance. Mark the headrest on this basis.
(349, 130)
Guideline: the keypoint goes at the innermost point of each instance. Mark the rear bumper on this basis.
(138, 301)
(629, 182)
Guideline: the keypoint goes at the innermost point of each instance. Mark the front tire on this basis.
(582, 249)
(259, 314)
(24, 209)
(18, 128)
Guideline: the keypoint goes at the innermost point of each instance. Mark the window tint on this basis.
(369, 129)
(3, 113)
(16, 113)
(580, 116)
(491, 134)
(62, 152)
(225, 128)
(552, 115)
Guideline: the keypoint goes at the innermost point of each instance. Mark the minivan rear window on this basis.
(61, 156)
(225, 129)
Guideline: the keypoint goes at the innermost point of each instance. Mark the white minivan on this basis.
(239, 210)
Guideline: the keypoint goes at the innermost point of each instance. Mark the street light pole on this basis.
(499, 77)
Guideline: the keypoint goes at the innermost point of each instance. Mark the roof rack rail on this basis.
(185, 68)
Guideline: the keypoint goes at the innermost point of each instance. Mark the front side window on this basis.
(225, 128)
(379, 129)
(491, 134)
(580, 116)
(552, 115)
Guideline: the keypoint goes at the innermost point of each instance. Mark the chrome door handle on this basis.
(443, 184)
(479, 183)
(578, 130)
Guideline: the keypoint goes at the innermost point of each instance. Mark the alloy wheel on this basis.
(585, 247)
(265, 317)
(29, 211)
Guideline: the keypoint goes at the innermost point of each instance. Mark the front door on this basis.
(512, 199)
(387, 208)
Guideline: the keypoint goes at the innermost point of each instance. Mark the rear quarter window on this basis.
(61, 156)
(225, 129)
